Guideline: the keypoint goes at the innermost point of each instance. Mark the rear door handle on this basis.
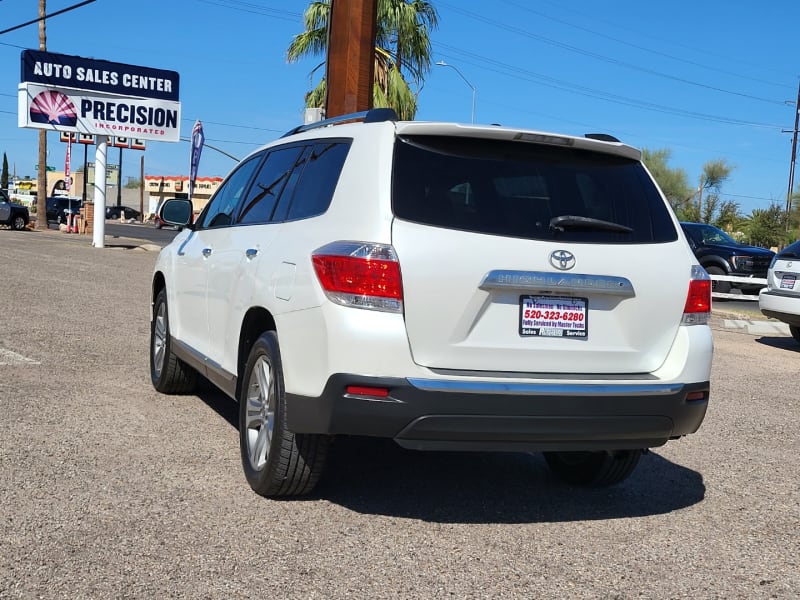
(206, 252)
(251, 253)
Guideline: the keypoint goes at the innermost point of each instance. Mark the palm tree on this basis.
(402, 50)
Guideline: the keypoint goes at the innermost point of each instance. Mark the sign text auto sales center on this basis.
(70, 93)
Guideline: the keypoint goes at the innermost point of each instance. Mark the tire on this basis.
(722, 287)
(18, 223)
(595, 469)
(276, 462)
(795, 331)
(169, 374)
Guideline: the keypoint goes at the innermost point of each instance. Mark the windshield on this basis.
(708, 234)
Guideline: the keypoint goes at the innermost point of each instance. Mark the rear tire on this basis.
(722, 287)
(596, 469)
(276, 462)
(795, 331)
(169, 374)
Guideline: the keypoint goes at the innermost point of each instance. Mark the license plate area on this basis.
(553, 316)
(788, 281)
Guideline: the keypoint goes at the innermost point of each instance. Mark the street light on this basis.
(441, 63)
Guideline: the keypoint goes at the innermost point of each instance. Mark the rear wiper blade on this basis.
(565, 222)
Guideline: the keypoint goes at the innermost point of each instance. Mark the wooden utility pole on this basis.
(351, 56)
(794, 158)
(41, 176)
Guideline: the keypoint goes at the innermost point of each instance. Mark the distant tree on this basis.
(715, 174)
(767, 227)
(402, 49)
(4, 173)
(729, 216)
(673, 182)
(132, 183)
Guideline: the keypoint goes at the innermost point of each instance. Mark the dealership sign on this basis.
(87, 96)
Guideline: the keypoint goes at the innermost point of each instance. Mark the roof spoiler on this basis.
(603, 137)
(374, 115)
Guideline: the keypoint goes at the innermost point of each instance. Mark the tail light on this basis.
(697, 310)
(360, 275)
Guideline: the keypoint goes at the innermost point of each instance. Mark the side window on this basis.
(314, 190)
(219, 212)
(268, 185)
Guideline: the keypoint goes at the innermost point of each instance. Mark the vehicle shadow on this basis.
(218, 402)
(782, 343)
(378, 477)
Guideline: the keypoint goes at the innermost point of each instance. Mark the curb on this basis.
(753, 323)
(756, 327)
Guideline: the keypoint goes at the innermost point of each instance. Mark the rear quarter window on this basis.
(514, 189)
(310, 192)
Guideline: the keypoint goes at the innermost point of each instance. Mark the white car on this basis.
(781, 298)
(450, 287)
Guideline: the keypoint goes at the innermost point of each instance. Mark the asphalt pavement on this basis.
(111, 490)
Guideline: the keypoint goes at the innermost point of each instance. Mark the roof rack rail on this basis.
(603, 137)
(374, 115)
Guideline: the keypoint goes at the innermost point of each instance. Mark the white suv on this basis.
(451, 287)
(781, 298)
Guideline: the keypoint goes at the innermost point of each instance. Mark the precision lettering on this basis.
(129, 113)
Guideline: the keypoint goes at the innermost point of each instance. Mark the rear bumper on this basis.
(427, 414)
(779, 306)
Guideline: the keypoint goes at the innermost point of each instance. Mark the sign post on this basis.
(99, 225)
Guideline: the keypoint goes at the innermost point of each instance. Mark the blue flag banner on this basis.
(197, 147)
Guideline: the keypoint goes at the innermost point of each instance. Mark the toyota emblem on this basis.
(562, 260)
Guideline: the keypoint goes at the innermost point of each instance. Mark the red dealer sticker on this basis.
(553, 316)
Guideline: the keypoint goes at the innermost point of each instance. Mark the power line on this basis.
(643, 48)
(518, 72)
(601, 57)
(55, 14)
(256, 9)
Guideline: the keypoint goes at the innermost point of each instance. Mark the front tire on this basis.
(795, 331)
(169, 374)
(595, 469)
(722, 287)
(18, 223)
(276, 462)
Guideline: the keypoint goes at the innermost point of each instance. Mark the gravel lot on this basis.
(111, 490)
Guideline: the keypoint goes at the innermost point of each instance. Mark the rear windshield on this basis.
(520, 189)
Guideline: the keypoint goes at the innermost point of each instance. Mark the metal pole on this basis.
(794, 157)
(141, 187)
(441, 63)
(119, 179)
(85, 171)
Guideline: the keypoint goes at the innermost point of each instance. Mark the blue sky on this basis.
(706, 79)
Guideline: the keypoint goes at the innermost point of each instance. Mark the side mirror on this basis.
(176, 211)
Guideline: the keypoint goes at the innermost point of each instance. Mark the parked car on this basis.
(12, 214)
(115, 212)
(449, 287)
(781, 298)
(59, 207)
(157, 221)
(720, 254)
